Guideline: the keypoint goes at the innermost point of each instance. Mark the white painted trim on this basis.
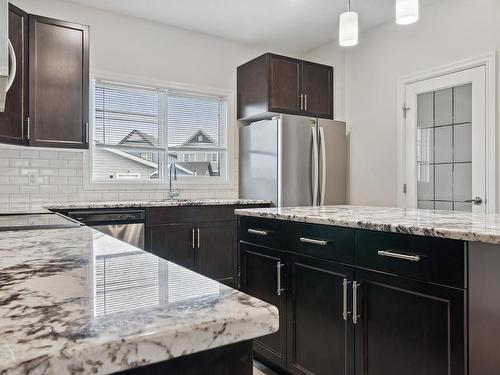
(209, 183)
(492, 136)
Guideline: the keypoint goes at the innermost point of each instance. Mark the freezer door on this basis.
(333, 162)
(258, 169)
(298, 161)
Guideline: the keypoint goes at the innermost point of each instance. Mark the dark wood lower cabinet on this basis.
(173, 242)
(215, 255)
(259, 278)
(408, 327)
(319, 329)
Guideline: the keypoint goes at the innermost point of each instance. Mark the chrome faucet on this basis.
(172, 193)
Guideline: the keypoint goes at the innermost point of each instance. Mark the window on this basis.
(139, 131)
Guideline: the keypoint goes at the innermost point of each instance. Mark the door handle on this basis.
(313, 241)
(323, 161)
(301, 102)
(315, 171)
(391, 254)
(477, 201)
(13, 64)
(259, 232)
(198, 230)
(305, 102)
(345, 313)
(192, 238)
(355, 315)
(279, 290)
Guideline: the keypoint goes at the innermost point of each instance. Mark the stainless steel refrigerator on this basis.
(294, 161)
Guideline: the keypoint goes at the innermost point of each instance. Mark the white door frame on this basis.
(489, 62)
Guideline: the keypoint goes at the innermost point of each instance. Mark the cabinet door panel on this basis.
(320, 340)
(317, 84)
(284, 96)
(12, 121)
(59, 83)
(172, 242)
(408, 327)
(259, 279)
(217, 255)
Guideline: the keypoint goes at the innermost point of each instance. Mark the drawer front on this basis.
(321, 241)
(436, 260)
(265, 232)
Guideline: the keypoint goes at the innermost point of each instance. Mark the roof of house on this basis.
(137, 137)
(202, 168)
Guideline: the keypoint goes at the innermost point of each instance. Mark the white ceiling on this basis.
(288, 25)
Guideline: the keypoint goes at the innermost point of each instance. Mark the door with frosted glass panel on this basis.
(446, 142)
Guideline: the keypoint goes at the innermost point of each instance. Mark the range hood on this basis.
(6, 55)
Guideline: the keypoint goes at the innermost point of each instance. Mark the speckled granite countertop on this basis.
(433, 223)
(153, 203)
(78, 301)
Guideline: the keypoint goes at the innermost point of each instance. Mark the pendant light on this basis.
(406, 11)
(348, 27)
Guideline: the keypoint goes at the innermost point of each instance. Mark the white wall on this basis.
(124, 46)
(448, 31)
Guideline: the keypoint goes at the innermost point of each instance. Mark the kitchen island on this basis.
(372, 290)
(73, 300)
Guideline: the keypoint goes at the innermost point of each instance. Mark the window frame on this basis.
(223, 182)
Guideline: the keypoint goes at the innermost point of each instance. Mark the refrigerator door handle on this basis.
(323, 161)
(315, 171)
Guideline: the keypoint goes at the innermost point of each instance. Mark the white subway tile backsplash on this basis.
(58, 164)
(31, 178)
(29, 154)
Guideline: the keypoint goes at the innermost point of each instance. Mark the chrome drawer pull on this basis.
(390, 254)
(313, 241)
(355, 315)
(279, 290)
(345, 313)
(260, 232)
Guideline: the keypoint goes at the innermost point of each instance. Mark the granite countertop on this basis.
(78, 301)
(433, 223)
(154, 203)
(19, 221)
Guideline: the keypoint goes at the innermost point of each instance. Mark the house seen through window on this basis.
(140, 131)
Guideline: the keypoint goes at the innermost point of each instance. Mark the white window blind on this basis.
(129, 136)
(139, 131)
(196, 125)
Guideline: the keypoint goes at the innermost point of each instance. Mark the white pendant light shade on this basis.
(348, 29)
(406, 11)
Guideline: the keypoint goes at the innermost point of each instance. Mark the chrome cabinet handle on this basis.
(279, 290)
(301, 102)
(313, 241)
(259, 232)
(192, 238)
(355, 315)
(198, 230)
(477, 201)
(305, 102)
(86, 132)
(345, 313)
(390, 254)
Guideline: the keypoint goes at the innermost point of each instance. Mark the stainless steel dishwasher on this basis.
(126, 225)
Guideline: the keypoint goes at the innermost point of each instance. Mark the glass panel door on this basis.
(444, 149)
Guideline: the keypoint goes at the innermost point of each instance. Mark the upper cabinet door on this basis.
(285, 87)
(317, 88)
(13, 120)
(59, 83)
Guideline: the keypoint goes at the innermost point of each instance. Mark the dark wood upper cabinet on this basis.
(317, 88)
(285, 85)
(272, 84)
(59, 83)
(13, 121)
